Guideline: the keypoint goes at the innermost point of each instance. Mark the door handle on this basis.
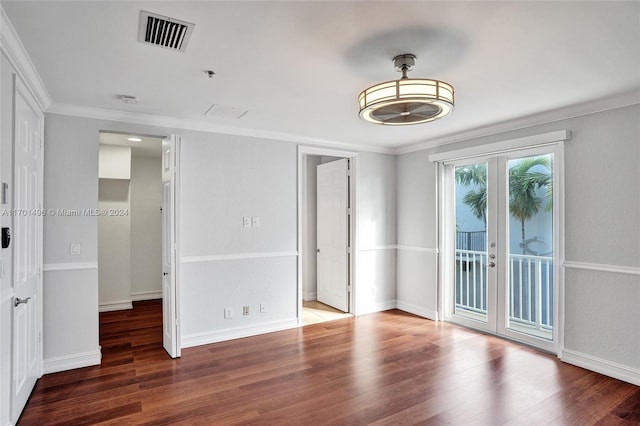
(318, 250)
(491, 264)
(19, 301)
(165, 273)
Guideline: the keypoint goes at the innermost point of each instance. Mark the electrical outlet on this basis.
(228, 313)
(245, 310)
(263, 308)
(246, 222)
(255, 222)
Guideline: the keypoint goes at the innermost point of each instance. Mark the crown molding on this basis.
(17, 55)
(573, 111)
(179, 123)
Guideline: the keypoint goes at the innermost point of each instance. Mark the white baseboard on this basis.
(417, 310)
(378, 307)
(69, 362)
(602, 366)
(146, 295)
(310, 296)
(198, 339)
(115, 306)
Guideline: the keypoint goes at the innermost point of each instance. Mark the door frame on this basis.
(303, 152)
(177, 138)
(552, 142)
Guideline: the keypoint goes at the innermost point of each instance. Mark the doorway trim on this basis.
(555, 142)
(303, 152)
(176, 219)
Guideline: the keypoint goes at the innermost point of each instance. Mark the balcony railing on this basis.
(530, 296)
(474, 240)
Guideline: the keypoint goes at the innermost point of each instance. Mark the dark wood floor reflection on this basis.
(384, 368)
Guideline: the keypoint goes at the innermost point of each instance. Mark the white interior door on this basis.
(170, 326)
(333, 234)
(27, 249)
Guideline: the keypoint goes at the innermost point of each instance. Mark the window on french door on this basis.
(530, 260)
(471, 241)
(501, 219)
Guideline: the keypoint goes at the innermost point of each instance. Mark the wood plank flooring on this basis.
(388, 368)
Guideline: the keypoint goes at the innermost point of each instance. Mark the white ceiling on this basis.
(149, 146)
(298, 67)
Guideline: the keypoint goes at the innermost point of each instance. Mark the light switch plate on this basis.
(74, 249)
(255, 222)
(246, 222)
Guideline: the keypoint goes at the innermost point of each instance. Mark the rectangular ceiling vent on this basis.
(164, 32)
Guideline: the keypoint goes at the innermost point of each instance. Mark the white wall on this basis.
(417, 235)
(146, 227)
(70, 299)
(602, 209)
(376, 257)
(114, 162)
(223, 179)
(114, 244)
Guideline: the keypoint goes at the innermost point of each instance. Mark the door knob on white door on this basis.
(492, 264)
(21, 301)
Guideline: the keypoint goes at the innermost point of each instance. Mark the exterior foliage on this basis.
(526, 177)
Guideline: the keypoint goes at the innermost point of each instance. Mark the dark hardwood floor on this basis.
(388, 368)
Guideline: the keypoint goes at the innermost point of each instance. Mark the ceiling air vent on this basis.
(163, 31)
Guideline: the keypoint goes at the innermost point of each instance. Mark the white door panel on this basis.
(170, 336)
(26, 241)
(332, 229)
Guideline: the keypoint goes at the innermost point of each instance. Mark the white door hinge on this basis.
(348, 250)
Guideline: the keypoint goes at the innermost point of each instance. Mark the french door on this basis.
(501, 226)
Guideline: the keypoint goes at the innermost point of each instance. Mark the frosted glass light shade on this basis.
(406, 101)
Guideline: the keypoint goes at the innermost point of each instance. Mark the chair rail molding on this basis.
(617, 269)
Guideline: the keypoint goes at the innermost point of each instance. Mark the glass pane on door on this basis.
(530, 266)
(471, 241)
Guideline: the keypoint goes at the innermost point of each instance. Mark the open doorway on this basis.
(326, 234)
(129, 221)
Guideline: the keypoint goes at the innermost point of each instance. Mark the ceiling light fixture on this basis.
(134, 139)
(408, 100)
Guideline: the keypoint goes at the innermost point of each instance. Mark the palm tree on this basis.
(475, 198)
(524, 182)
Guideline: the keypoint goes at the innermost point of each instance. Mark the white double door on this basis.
(501, 225)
